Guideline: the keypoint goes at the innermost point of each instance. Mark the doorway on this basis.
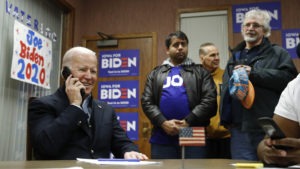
(147, 45)
(207, 25)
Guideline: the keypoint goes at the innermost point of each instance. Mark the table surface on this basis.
(165, 164)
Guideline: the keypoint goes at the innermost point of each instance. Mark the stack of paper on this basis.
(117, 161)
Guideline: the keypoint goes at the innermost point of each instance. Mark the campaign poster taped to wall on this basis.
(32, 56)
(119, 63)
(129, 122)
(274, 9)
(120, 94)
(290, 40)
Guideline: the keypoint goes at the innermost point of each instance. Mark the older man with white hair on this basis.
(269, 68)
(70, 124)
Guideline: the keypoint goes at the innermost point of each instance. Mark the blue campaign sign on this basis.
(290, 40)
(119, 63)
(274, 9)
(120, 94)
(129, 122)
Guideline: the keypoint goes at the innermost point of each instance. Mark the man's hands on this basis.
(171, 127)
(135, 155)
(246, 67)
(73, 86)
(270, 155)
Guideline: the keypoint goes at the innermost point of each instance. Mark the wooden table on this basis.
(165, 164)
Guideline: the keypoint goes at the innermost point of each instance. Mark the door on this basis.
(206, 26)
(146, 44)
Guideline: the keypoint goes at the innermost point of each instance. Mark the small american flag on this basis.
(192, 136)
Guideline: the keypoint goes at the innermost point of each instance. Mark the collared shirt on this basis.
(248, 54)
(85, 106)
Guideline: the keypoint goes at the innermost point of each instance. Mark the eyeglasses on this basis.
(254, 25)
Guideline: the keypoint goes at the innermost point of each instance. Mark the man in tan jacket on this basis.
(218, 141)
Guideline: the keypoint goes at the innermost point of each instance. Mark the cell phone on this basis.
(272, 130)
(66, 73)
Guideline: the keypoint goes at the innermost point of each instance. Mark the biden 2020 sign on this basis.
(273, 8)
(290, 40)
(119, 63)
(120, 94)
(32, 56)
(129, 122)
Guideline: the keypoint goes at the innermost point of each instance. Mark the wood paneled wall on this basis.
(139, 16)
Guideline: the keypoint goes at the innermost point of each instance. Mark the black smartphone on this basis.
(272, 130)
(66, 73)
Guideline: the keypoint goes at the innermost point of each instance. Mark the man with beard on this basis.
(269, 68)
(177, 94)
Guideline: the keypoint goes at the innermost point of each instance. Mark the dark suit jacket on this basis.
(59, 130)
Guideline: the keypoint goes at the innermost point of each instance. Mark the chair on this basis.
(29, 149)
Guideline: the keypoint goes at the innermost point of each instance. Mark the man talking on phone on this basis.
(70, 124)
(287, 117)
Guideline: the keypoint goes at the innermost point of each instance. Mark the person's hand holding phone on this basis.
(74, 88)
(276, 148)
(280, 157)
(273, 132)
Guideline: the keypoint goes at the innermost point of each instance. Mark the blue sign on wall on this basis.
(120, 94)
(119, 63)
(290, 40)
(129, 122)
(274, 9)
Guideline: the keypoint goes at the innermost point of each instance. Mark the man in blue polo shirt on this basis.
(177, 94)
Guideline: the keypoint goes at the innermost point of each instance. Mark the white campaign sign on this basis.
(32, 56)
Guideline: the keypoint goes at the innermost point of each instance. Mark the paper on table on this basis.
(261, 166)
(62, 168)
(117, 162)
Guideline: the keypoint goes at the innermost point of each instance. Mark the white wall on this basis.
(14, 94)
(202, 27)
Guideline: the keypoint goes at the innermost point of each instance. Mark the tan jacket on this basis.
(215, 130)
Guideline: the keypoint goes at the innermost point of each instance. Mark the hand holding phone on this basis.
(66, 73)
(272, 130)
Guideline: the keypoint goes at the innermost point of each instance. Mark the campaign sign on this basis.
(129, 122)
(290, 40)
(32, 56)
(119, 63)
(120, 94)
(274, 9)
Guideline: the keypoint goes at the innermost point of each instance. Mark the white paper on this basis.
(62, 168)
(95, 161)
(293, 166)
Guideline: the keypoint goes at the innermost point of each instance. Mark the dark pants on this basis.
(244, 144)
(159, 151)
(218, 148)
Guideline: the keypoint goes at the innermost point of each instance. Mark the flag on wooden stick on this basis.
(192, 136)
